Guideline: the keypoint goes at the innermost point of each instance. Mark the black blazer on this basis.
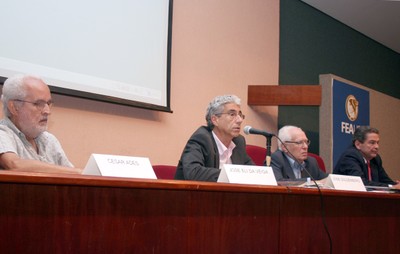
(282, 169)
(200, 158)
(351, 162)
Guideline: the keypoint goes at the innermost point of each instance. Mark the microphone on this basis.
(250, 130)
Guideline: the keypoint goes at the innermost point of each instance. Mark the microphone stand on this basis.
(268, 158)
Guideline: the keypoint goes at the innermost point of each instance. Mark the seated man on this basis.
(25, 145)
(291, 160)
(216, 144)
(362, 159)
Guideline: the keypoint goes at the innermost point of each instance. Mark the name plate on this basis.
(246, 174)
(344, 182)
(119, 166)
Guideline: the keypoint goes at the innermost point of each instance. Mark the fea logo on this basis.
(352, 107)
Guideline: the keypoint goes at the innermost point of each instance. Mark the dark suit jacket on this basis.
(282, 169)
(352, 162)
(200, 158)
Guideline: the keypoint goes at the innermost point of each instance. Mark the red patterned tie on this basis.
(369, 171)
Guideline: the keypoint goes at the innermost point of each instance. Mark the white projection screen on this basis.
(116, 51)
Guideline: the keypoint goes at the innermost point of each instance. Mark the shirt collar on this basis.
(7, 122)
(292, 162)
(221, 147)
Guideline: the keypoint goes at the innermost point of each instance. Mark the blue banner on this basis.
(350, 106)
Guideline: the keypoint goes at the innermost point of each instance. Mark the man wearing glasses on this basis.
(25, 145)
(218, 143)
(291, 160)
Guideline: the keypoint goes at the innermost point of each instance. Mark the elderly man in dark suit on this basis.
(218, 143)
(291, 160)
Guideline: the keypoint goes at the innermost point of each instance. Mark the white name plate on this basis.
(247, 174)
(344, 182)
(120, 166)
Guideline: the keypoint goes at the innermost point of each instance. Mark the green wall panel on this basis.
(313, 43)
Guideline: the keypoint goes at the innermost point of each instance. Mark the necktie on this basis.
(369, 171)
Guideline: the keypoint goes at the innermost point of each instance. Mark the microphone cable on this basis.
(323, 215)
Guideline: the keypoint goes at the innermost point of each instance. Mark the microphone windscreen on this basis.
(246, 129)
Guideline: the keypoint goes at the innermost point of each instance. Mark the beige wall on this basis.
(383, 108)
(218, 47)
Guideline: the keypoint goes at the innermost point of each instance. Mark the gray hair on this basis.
(361, 132)
(14, 88)
(285, 134)
(216, 106)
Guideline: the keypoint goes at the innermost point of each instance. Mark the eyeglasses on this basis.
(39, 104)
(233, 114)
(300, 143)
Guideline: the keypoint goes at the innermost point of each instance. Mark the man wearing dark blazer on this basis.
(291, 160)
(362, 159)
(218, 143)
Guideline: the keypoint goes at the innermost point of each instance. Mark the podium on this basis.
(44, 213)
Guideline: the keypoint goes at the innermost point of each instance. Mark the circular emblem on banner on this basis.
(352, 107)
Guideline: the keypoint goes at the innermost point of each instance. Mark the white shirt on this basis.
(13, 140)
(225, 153)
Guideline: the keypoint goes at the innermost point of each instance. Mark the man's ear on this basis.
(357, 144)
(12, 107)
(284, 148)
(214, 120)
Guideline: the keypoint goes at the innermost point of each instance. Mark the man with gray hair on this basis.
(218, 143)
(291, 160)
(25, 144)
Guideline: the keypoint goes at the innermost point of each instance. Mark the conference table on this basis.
(54, 213)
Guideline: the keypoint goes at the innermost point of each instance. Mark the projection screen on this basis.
(116, 51)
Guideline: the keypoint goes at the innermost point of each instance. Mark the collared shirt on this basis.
(225, 153)
(295, 166)
(13, 140)
(365, 160)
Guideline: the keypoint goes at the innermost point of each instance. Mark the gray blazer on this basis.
(200, 158)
